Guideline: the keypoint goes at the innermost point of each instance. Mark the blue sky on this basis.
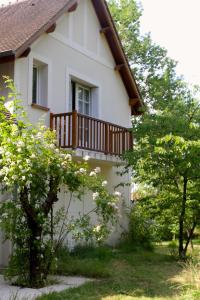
(175, 25)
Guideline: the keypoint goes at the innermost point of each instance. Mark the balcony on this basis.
(77, 131)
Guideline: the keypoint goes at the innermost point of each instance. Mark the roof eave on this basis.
(7, 56)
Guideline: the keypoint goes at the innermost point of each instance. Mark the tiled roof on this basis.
(23, 22)
(19, 22)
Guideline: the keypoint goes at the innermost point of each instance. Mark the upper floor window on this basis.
(83, 96)
(40, 83)
(84, 99)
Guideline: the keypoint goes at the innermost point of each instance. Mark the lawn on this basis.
(125, 274)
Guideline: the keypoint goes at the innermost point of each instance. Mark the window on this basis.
(81, 98)
(35, 85)
(40, 83)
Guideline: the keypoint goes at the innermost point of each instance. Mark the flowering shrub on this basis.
(32, 171)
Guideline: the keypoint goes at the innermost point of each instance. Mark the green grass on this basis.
(128, 275)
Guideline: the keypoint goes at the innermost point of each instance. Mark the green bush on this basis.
(142, 230)
(84, 260)
(173, 248)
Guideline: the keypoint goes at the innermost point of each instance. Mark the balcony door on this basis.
(83, 98)
(83, 104)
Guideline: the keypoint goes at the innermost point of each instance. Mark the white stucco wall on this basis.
(76, 48)
(86, 204)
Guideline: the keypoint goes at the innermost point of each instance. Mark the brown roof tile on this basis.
(19, 22)
(22, 23)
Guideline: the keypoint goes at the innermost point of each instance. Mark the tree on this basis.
(32, 170)
(154, 71)
(167, 137)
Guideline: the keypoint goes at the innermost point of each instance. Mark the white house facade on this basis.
(71, 71)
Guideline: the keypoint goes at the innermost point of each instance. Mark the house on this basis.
(67, 61)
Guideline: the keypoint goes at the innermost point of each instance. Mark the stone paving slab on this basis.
(9, 292)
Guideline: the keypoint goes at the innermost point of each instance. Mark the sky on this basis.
(175, 25)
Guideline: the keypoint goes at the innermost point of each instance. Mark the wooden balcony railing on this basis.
(75, 130)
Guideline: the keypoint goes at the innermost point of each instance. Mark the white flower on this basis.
(104, 183)
(20, 144)
(117, 194)
(64, 164)
(93, 173)
(19, 150)
(52, 146)
(82, 170)
(113, 205)
(28, 161)
(86, 157)
(57, 150)
(33, 155)
(7, 153)
(5, 215)
(95, 195)
(1, 150)
(97, 170)
(39, 135)
(23, 177)
(28, 183)
(97, 228)
(14, 177)
(68, 157)
(23, 219)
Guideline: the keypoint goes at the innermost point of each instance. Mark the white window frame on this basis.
(34, 56)
(95, 86)
(37, 85)
(85, 88)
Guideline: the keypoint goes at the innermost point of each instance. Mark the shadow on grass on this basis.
(128, 275)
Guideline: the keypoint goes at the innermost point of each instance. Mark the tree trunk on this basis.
(34, 258)
(33, 240)
(189, 239)
(181, 220)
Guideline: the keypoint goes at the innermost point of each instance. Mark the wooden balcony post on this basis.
(74, 129)
(51, 121)
(130, 140)
(106, 142)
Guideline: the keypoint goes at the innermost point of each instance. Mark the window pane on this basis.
(87, 96)
(80, 106)
(87, 109)
(35, 87)
(80, 93)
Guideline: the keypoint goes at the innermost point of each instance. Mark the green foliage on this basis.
(173, 248)
(33, 169)
(165, 158)
(142, 229)
(87, 261)
(153, 69)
